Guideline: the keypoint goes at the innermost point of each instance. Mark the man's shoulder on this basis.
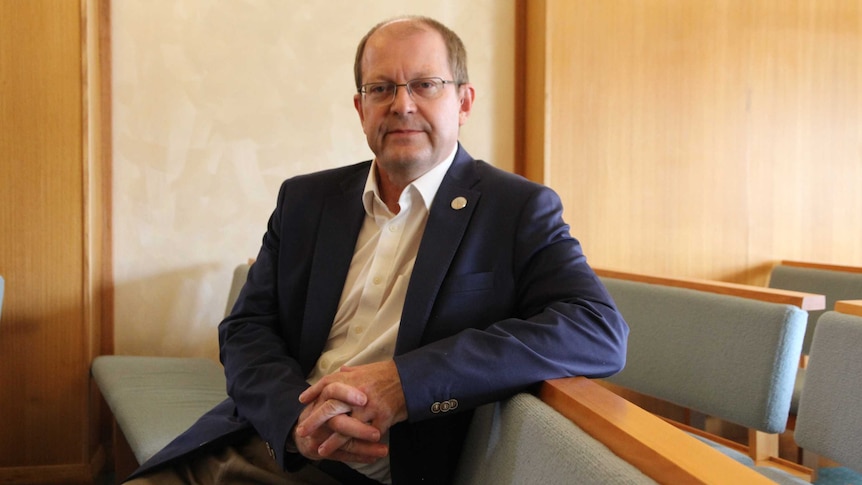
(489, 175)
(337, 173)
(327, 180)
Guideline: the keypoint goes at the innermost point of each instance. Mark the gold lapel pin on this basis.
(459, 203)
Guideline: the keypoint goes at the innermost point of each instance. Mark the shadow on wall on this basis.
(174, 313)
(757, 275)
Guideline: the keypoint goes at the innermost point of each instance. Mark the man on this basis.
(391, 298)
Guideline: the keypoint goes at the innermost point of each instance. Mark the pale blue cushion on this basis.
(240, 275)
(780, 476)
(736, 455)
(838, 475)
(523, 440)
(154, 399)
(725, 356)
(829, 421)
(834, 285)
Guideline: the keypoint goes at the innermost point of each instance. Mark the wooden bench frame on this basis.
(850, 307)
(823, 266)
(805, 301)
(659, 450)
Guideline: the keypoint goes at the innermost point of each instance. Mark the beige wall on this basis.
(215, 103)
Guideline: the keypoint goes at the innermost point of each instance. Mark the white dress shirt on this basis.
(369, 312)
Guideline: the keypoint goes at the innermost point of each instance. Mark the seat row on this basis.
(576, 430)
(730, 352)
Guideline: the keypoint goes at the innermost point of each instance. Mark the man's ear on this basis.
(357, 103)
(467, 96)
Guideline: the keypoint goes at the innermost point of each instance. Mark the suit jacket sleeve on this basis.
(519, 304)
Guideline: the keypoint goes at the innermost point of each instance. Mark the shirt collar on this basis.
(426, 185)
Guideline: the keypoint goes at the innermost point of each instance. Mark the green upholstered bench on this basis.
(574, 432)
(725, 350)
(153, 399)
(835, 282)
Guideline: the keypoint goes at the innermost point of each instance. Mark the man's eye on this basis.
(378, 89)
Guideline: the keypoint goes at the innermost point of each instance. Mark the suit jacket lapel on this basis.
(340, 223)
(447, 223)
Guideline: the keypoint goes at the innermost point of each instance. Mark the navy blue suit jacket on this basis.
(501, 297)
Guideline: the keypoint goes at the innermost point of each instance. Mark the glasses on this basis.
(425, 88)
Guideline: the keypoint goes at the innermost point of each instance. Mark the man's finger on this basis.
(354, 427)
(320, 415)
(342, 448)
(324, 390)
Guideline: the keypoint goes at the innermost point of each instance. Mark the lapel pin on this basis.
(459, 203)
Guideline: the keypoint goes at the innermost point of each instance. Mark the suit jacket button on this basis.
(270, 450)
(435, 408)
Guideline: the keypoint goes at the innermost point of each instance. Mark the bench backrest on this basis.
(834, 282)
(523, 440)
(829, 421)
(577, 431)
(240, 275)
(729, 357)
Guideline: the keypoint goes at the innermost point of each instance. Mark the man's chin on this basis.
(404, 156)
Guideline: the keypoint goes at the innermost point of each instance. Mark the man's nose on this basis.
(403, 102)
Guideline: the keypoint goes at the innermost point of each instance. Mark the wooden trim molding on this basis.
(850, 307)
(823, 266)
(533, 107)
(805, 301)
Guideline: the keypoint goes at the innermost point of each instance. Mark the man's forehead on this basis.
(379, 49)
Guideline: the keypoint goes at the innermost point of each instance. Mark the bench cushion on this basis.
(834, 285)
(722, 355)
(523, 440)
(154, 399)
(830, 421)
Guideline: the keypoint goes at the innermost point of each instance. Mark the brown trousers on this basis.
(247, 462)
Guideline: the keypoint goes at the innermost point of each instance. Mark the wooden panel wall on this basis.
(53, 213)
(700, 138)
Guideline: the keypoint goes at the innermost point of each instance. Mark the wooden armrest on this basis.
(827, 267)
(850, 307)
(805, 301)
(660, 450)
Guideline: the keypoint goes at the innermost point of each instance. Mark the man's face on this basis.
(410, 135)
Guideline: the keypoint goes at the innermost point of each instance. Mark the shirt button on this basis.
(377, 280)
(393, 228)
(359, 330)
